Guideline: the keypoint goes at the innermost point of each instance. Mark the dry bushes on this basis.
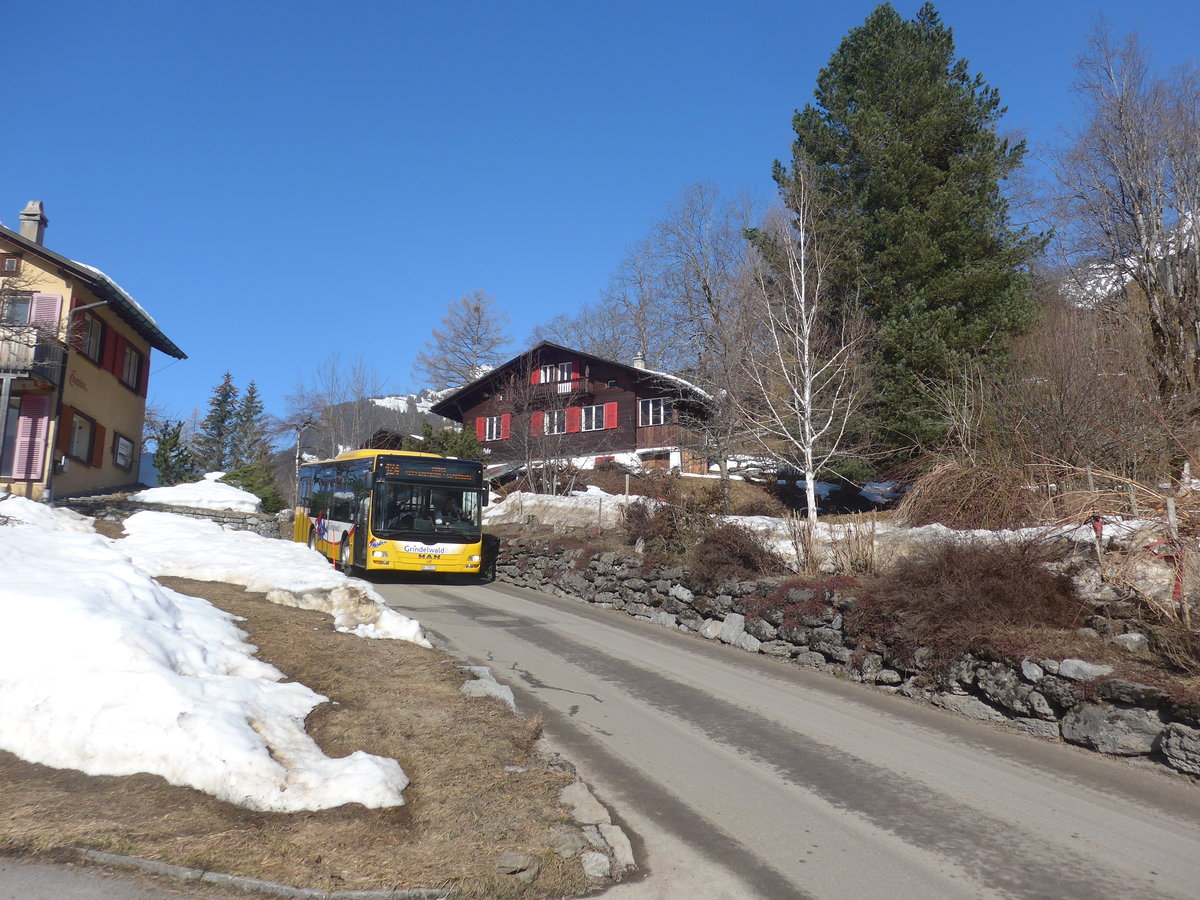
(966, 596)
(731, 551)
(967, 497)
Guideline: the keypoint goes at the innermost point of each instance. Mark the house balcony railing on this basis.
(576, 386)
(27, 351)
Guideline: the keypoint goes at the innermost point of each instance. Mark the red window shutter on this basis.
(575, 370)
(97, 457)
(144, 374)
(505, 426)
(33, 422)
(62, 443)
(481, 428)
(47, 310)
(118, 357)
(574, 419)
(610, 415)
(108, 351)
(536, 421)
(535, 377)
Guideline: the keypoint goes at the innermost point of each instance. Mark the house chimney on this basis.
(34, 221)
(639, 361)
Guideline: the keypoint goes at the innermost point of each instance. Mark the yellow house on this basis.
(74, 367)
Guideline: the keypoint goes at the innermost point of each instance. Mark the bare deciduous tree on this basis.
(335, 402)
(802, 375)
(470, 340)
(1132, 201)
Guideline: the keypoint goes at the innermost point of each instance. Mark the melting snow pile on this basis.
(289, 573)
(207, 494)
(104, 670)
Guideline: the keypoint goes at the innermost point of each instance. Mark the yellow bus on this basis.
(393, 511)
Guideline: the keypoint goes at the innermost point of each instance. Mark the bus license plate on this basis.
(428, 568)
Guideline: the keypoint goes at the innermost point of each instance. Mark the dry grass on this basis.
(394, 699)
(967, 497)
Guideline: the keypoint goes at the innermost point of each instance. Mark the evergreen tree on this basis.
(902, 141)
(250, 463)
(172, 458)
(213, 446)
(458, 442)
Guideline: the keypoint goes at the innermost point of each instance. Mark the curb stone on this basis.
(183, 873)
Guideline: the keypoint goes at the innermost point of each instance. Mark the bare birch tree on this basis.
(471, 339)
(1132, 201)
(802, 371)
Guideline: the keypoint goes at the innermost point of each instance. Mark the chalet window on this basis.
(91, 338)
(494, 429)
(654, 412)
(131, 370)
(555, 421)
(83, 431)
(592, 418)
(122, 451)
(15, 308)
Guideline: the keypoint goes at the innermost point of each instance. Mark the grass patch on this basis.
(462, 810)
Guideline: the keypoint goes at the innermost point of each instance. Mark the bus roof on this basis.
(371, 454)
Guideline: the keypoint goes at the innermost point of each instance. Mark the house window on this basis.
(91, 338)
(14, 308)
(131, 371)
(592, 418)
(8, 446)
(654, 412)
(9, 265)
(122, 451)
(82, 431)
(555, 421)
(494, 429)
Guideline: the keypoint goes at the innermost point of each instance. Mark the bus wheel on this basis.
(345, 562)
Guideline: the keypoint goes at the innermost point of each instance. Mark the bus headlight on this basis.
(473, 558)
(379, 554)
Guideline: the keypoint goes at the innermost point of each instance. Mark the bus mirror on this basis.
(370, 481)
(483, 497)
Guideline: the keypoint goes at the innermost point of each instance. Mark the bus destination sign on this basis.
(429, 470)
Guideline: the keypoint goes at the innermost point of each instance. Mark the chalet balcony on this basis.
(575, 388)
(27, 351)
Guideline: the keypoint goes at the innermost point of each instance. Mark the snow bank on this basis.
(582, 509)
(50, 518)
(207, 494)
(289, 573)
(106, 671)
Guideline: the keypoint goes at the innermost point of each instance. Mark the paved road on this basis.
(740, 777)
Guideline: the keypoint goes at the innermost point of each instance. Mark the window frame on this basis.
(493, 428)
(7, 301)
(134, 353)
(91, 330)
(88, 444)
(554, 422)
(118, 439)
(585, 418)
(647, 405)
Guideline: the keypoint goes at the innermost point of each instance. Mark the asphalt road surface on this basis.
(739, 776)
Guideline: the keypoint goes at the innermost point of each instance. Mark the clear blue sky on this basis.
(280, 181)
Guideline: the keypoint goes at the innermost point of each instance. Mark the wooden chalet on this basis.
(552, 402)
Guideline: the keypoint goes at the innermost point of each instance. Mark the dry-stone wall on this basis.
(116, 508)
(1064, 698)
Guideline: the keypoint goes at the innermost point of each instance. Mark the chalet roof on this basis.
(128, 309)
(449, 405)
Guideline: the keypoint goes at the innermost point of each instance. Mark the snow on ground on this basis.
(582, 509)
(49, 518)
(106, 671)
(210, 493)
(289, 573)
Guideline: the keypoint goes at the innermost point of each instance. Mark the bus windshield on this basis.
(419, 510)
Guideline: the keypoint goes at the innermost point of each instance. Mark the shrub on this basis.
(955, 597)
(731, 551)
(972, 497)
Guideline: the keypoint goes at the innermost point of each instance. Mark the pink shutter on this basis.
(481, 428)
(33, 423)
(535, 424)
(505, 426)
(47, 310)
(574, 419)
(610, 415)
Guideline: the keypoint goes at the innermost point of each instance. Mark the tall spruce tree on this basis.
(172, 458)
(250, 466)
(213, 450)
(902, 140)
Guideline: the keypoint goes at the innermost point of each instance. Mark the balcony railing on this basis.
(31, 352)
(576, 386)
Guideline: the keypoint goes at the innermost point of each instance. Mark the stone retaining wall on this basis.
(1069, 699)
(116, 508)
